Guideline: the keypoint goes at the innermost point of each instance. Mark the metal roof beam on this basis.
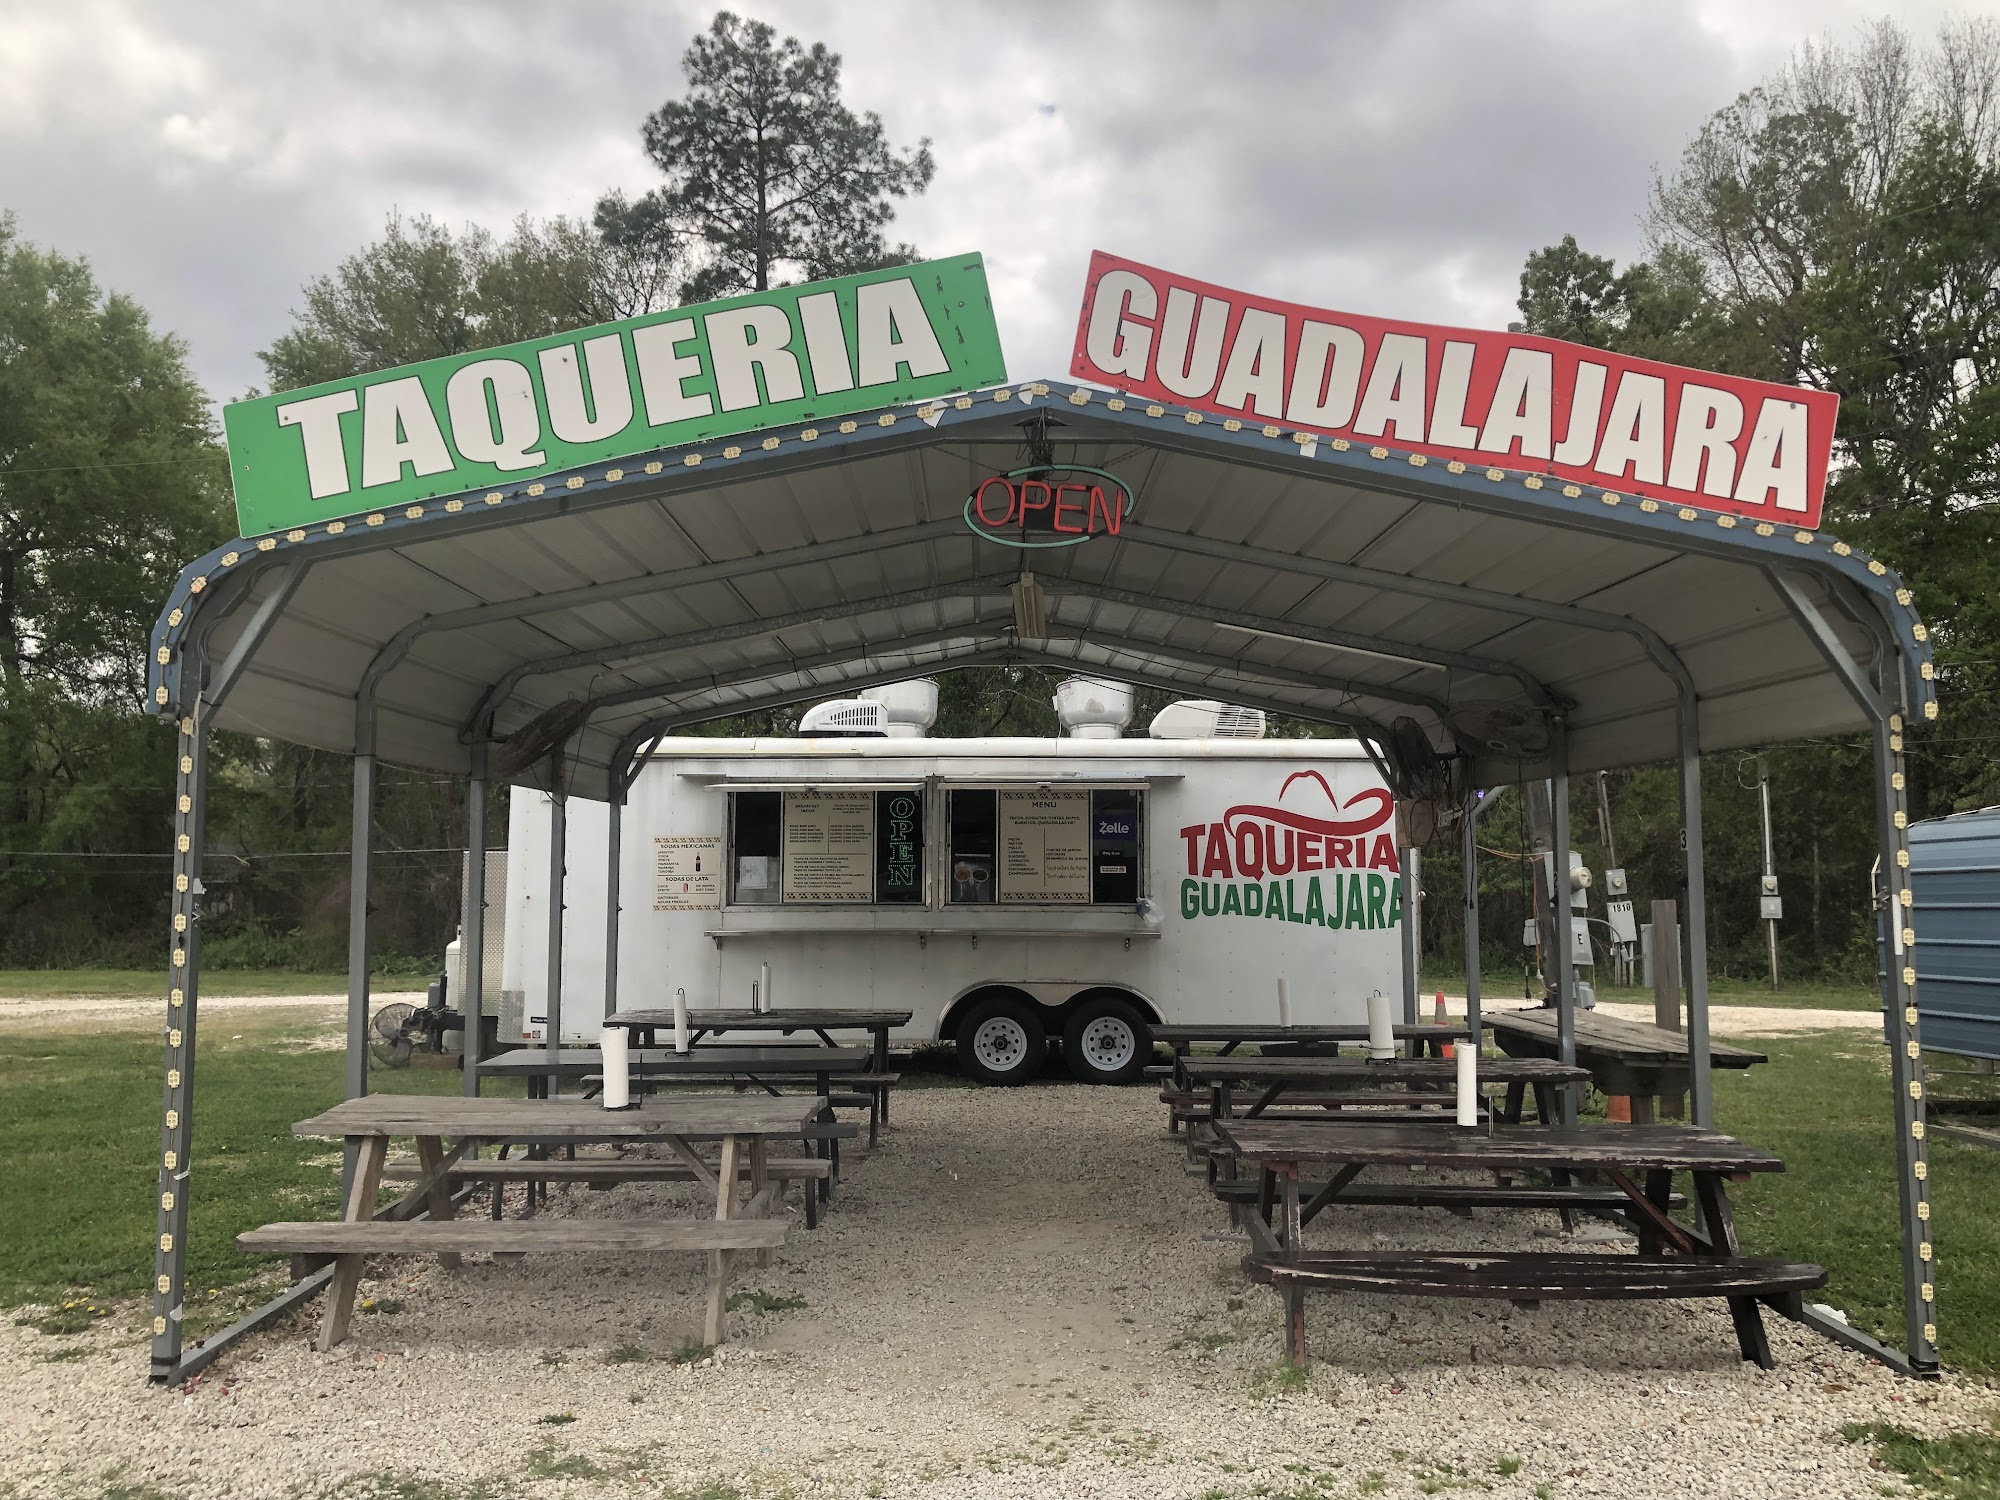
(397, 647)
(480, 722)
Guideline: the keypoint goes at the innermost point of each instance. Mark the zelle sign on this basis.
(501, 415)
(1510, 401)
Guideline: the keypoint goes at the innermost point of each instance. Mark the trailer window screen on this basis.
(1044, 846)
(816, 848)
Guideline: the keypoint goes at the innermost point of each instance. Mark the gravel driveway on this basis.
(1021, 1294)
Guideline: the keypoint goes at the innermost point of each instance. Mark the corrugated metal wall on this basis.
(1955, 888)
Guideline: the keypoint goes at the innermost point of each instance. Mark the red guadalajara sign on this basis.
(1504, 400)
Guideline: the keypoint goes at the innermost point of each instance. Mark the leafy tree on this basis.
(110, 478)
(421, 291)
(768, 167)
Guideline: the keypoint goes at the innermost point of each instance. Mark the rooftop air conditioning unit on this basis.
(1204, 719)
(1093, 710)
(911, 706)
(846, 719)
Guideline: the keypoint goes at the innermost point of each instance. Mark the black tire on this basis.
(1106, 1040)
(1000, 1041)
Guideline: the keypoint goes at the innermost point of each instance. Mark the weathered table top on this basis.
(1223, 1031)
(1623, 1041)
(1208, 1071)
(700, 1062)
(1631, 1147)
(560, 1119)
(797, 1018)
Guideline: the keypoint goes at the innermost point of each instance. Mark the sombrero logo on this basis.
(1314, 860)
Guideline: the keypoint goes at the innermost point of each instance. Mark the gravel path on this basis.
(1723, 1020)
(142, 1009)
(1021, 1294)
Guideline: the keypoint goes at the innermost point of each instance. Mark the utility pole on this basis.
(1770, 904)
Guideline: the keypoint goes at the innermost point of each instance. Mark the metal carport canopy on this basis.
(1278, 569)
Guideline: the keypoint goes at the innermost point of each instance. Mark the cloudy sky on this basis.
(210, 155)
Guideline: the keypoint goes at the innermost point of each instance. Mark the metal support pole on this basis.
(1469, 857)
(1906, 1055)
(1701, 1084)
(177, 1108)
(614, 838)
(359, 863)
(1412, 875)
(552, 1003)
(472, 925)
(1770, 883)
(1559, 903)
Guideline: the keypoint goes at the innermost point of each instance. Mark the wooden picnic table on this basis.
(1629, 1058)
(822, 1023)
(1229, 1035)
(1282, 1151)
(742, 1123)
(1422, 1080)
(758, 1064)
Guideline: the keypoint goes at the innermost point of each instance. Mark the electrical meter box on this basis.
(1624, 926)
(1614, 883)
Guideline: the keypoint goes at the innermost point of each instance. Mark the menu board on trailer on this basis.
(829, 849)
(687, 873)
(1044, 847)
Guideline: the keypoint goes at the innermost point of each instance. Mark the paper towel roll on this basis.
(764, 987)
(1468, 1084)
(680, 1021)
(1381, 1028)
(1284, 1004)
(615, 1043)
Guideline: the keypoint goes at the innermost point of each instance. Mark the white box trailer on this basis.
(1010, 893)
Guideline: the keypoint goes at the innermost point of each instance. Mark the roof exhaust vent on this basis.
(846, 719)
(1205, 719)
(1092, 710)
(911, 706)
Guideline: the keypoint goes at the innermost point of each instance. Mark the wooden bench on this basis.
(1459, 1198)
(1527, 1278)
(601, 1174)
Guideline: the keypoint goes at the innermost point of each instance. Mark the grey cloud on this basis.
(1400, 160)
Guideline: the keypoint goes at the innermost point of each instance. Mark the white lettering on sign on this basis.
(493, 415)
(578, 417)
(1686, 436)
(892, 332)
(744, 342)
(398, 428)
(663, 374)
(318, 421)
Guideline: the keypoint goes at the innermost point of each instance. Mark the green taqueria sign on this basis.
(509, 413)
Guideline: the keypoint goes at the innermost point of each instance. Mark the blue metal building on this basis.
(1955, 888)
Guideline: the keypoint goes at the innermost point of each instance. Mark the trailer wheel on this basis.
(1106, 1041)
(1000, 1041)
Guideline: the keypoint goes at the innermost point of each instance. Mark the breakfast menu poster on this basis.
(829, 850)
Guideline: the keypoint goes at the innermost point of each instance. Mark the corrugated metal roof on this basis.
(1261, 566)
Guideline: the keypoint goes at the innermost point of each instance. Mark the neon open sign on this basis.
(1048, 506)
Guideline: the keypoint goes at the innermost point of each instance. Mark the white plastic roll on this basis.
(1284, 1003)
(615, 1044)
(1468, 1084)
(1381, 1028)
(764, 986)
(680, 1021)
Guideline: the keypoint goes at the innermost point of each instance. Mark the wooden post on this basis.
(373, 1152)
(1667, 985)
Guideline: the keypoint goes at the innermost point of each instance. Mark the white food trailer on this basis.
(1009, 892)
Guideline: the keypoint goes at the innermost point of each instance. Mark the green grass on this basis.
(1963, 1466)
(139, 984)
(1809, 994)
(764, 1302)
(1823, 1104)
(80, 1115)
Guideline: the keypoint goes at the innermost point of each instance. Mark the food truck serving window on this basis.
(816, 848)
(1043, 846)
